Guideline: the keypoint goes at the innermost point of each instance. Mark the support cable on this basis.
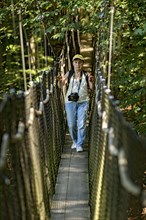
(46, 39)
(28, 53)
(110, 47)
(15, 36)
(45, 46)
(13, 17)
(22, 48)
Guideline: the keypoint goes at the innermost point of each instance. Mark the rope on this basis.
(110, 47)
(22, 49)
(28, 52)
(45, 45)
(13, 17)
(46, 39)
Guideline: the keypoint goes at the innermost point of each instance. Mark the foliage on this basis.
(128, 80)
(130, 61)
(45, 24)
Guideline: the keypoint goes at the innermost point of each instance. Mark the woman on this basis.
(77, 100)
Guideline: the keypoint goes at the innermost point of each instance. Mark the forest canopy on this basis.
(45, 25)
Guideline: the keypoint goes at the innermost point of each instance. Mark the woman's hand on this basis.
(59, 77)
(62, 80)
(91, 81)
(91, 78)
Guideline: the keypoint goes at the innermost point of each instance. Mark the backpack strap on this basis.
(86, 75)
(70, 74)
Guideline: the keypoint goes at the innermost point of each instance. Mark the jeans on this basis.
(77, 114)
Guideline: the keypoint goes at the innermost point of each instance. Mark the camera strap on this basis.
(79, 82)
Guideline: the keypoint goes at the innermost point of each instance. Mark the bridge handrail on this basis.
(32, 134)
(117, 159)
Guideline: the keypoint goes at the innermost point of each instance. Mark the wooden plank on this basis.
(71, 199)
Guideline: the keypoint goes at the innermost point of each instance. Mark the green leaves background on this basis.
(128, 77)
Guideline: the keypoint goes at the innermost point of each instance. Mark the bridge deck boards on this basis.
(71, 199)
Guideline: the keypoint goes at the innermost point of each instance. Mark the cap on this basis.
(78, 56)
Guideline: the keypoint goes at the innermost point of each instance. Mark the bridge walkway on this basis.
(71, 199)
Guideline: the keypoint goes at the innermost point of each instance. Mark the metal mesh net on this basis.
(32, 135)
(116, 161)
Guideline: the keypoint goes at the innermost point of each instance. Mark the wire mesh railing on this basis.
(32, 133)
(117, 159)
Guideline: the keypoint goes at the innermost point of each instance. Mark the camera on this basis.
(73, 97)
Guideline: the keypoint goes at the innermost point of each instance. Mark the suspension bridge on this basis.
(43, 179)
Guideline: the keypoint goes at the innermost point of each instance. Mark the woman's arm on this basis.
(91, 81)
(62, 80)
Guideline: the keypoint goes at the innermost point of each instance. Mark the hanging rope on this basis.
(110, 46)
(28, 53)
(46, 38)
(13, 17)
(22, 49)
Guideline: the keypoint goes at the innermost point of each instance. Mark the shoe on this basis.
(73, 146)
(79, 149)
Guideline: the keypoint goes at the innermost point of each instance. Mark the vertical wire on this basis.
(14, 36)
(29, 62)
(41, 47)
(22, 49)
(46, 38)
(40, 62)
(13, 17)
(45, 46)
(110, 47)
(28, 52)
(37, 53)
